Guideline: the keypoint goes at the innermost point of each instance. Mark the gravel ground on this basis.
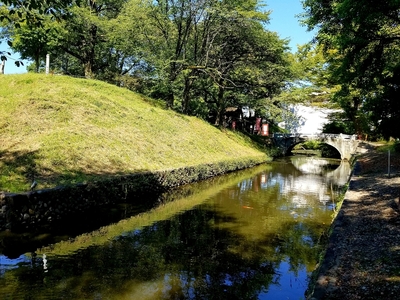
(363, 256)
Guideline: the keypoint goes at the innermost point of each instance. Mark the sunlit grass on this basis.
(58, 129)
(385, 146)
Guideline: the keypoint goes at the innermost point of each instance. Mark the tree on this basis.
(15, 13)
(246, 68)
(183, 31)
(30, 41)
(199, 56)
(83, 34)
(214, 54)
(81, 31)
(366, 37)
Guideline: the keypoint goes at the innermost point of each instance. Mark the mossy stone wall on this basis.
(37, 209)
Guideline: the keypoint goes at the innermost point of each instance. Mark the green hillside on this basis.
(61, 130)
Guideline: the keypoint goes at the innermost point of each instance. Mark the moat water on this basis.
(253, 234)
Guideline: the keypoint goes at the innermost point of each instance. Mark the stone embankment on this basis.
(32, 210)
(362, 260)
(36, 209)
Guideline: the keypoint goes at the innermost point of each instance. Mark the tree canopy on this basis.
(364, 37)
(200, 57)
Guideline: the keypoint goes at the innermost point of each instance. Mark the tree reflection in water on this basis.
(256, 239)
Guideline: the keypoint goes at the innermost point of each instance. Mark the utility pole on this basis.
(2, 65)
(47, 63)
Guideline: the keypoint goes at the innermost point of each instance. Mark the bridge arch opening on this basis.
(320, 149)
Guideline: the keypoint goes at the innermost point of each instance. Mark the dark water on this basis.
(253, 234)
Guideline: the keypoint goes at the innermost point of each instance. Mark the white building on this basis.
(309, 120)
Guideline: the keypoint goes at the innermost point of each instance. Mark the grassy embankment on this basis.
(60, 130)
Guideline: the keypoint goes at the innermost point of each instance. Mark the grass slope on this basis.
(63, 130)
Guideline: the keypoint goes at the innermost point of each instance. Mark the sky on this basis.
(282, 20)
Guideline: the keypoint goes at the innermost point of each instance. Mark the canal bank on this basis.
(362, 260)
(39, 209)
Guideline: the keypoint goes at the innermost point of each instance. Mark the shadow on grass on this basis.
(18, 170)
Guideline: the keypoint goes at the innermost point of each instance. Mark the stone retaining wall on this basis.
(36, 209)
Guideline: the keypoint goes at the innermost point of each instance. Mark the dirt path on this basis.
(363, 256)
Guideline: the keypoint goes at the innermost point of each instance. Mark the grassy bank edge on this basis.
(156, 181)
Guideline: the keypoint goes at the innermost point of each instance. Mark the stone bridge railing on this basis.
(319, 136)
(345, 144)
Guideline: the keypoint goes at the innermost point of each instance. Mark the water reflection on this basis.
(248, 238)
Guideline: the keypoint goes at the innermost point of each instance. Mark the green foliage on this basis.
(200, 58)
(310, 82)
(396, 146)
(317, 148)
(385, 146)
(361, 40)
(30, 11)
(15, 14)
(312, 145)
(31, 42)
(226, 54)
(338, 123)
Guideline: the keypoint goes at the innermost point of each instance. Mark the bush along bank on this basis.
(39, 209)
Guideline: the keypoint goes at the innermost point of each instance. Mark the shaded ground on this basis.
(363, 256)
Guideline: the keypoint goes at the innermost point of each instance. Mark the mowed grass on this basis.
(60, 130)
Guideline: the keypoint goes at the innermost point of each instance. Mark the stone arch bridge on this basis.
(346, 145)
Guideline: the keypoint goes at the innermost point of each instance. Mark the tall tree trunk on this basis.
(186, 94)
(88, 70)
(91, 53)
(37, 60)
(354, 115)
(220, 103)
(170, 100)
